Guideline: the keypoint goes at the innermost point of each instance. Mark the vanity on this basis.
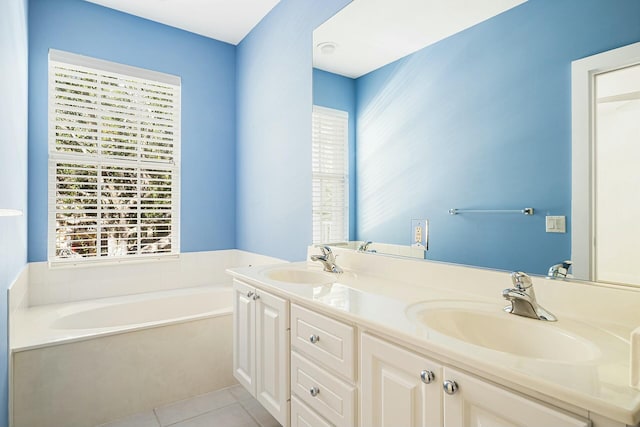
(401, 342)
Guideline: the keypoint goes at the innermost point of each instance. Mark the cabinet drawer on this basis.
(303, 416)
(333, 342)
(331, 397)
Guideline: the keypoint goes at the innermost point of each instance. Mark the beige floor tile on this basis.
(145, 419)
(255, 409)
(229, 416)
(185, 409)
(239, 392)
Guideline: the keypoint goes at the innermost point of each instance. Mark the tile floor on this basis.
(230, 407)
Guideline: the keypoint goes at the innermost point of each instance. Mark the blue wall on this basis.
(207, 69)
(482, 120)
(274, 129)
(334, 91)
(13, 169)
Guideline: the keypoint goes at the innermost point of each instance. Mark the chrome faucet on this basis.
(364, 247)
(327, 259)
(559, 271)
(523, 299)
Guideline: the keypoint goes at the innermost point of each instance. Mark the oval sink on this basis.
(486, 325)
(306, 277)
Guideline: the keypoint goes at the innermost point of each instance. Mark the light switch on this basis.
(556, 224)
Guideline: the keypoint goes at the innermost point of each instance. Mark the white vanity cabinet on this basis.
(261, 347)
(400, 387)
(477, 403)
(313, 365)
(322, 370)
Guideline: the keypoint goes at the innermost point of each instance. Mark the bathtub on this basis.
(169, 307)
(89, 362)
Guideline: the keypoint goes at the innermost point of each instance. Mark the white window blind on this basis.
(330, 175)
(114, 160)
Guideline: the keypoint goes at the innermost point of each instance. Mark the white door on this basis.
(479, 404)
(605, 154)
(393, 391)
(244, 335)
(272, 355)
(616, 179)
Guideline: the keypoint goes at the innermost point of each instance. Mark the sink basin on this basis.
(486, 325)
(299, 276)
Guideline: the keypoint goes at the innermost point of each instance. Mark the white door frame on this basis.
(583, 72)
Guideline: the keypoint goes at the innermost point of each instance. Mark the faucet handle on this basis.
(567, 264)
(326, 250)
(560, 270)
(521, 280)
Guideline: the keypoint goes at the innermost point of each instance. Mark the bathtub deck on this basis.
(230, 407)
(34, 327)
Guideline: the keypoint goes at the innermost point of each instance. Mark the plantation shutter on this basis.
(330, 175)
(114, 160)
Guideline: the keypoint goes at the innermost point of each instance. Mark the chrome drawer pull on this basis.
(256, 296)
(249, 294)
(450, 386)
(427, 376)
(314, 391)
(314, 339)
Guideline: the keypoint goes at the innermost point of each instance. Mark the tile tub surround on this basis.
(377, 290)
(96, 380)
(65, 283)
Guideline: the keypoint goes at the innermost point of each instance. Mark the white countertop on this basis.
(379, 299)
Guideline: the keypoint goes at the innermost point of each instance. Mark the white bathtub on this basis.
(86, 363)
(92, 344)
(147, 310)
(62, 323)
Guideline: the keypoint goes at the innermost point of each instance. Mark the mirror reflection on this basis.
(477, 119)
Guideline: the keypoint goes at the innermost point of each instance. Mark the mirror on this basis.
(476, 118)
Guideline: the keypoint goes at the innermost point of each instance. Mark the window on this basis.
(330, 175)
(114, 160)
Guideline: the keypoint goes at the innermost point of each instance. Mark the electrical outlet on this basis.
(419, 233)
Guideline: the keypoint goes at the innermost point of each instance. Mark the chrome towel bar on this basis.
(526, 211)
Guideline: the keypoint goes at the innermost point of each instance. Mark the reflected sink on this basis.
(486, 325)
(299, 276)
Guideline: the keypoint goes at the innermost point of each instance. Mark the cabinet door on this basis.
(393, 392)
(244, 336)
(272, 355)
(477, 403)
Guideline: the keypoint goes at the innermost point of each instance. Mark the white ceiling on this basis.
(372, 33)
(226, 20)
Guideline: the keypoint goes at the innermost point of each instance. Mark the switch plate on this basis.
(556, 224)
(419, 233)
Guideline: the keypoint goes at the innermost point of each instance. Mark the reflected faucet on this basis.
(523, 299)
(559, 271)
(364, 247)
(327, 259)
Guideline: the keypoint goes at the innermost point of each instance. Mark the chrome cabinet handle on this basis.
(313, 391)
(450, 386)
(256, 296)
(250, 294)
(427, 376)
(314, 339)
